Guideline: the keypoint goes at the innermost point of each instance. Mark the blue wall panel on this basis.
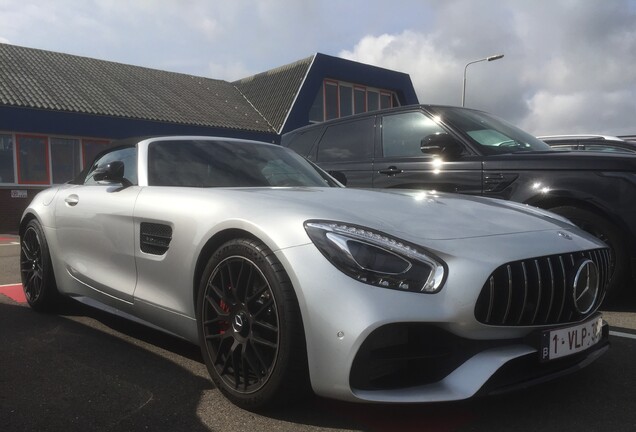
(86, 125)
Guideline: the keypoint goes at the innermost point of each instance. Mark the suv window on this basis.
(303, 142)
(402, 133)
(349, 141)
(127, 155)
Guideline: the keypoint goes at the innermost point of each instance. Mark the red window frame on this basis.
(324, 98)
(47, 158)
(364, 89)
(390, 96)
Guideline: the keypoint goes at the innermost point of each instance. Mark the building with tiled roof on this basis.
(57, 111)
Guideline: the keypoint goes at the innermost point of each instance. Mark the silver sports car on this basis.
(291, 283)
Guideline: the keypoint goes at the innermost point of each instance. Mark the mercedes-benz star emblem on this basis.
(586, 284)
(564, 235)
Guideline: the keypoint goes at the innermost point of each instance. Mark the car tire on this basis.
(36, 269)
(250, 328)
(605, 230)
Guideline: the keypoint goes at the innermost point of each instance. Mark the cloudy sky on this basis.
(569, 65)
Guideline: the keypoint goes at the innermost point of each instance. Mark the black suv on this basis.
(453, 149)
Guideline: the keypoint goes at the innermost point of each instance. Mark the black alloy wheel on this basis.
(36, 270)
(249, 326)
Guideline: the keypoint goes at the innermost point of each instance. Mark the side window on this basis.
(303, 142)
(349, 141)
(127, 155)
(402, 133)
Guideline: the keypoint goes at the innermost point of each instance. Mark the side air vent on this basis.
(155, 238)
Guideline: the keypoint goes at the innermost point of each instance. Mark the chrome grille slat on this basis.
(539, 289)
(509, 269)
(565, 288)
(547, 314)
(531, 291)
(491, 297)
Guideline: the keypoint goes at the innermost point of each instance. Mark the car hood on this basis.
(403, 213)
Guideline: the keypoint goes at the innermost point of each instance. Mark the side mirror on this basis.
(441, 144)
(112, 172)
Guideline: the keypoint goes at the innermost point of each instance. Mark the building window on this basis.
(91, 148)
(33, 159)
(340, 99)
(385, 100)
(7, 169)
(332, 109)
(360, 100)
(373, 100)
(346, 100)
(65, 159)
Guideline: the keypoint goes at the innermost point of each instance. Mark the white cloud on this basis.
(560, 55)
(567, 67)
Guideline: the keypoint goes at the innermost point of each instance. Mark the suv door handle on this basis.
(391, 171)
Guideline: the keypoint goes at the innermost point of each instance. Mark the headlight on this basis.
(377, 259)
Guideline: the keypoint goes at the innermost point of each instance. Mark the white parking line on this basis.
(622, 334)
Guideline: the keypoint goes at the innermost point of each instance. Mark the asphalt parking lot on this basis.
(86, 370)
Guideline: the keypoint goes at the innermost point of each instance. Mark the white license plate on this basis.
(571, 340)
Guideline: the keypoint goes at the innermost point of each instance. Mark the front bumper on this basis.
(421, 363)
(340, 315)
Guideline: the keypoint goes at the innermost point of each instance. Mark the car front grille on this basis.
(539, 291)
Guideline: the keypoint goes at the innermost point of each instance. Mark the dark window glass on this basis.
(303, 142)
(373, 100)
(92, 148)
(227, 164)
(331, 101)
(395, 101)
(351, 141)
(346, 101)
(33, 160)
(7, 173)
(493, 135)
(360, 101)
(385, 101)
(402, 133)
(65, 159)
(127, 155)
(317, 110)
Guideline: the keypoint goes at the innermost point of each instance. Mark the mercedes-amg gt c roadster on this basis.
(291, 283)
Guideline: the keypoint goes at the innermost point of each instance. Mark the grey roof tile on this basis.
(273, 92)
(35, 78)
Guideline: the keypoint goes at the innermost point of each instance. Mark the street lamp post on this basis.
(491, 58)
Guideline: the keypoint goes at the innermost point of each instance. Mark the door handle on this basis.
(71, 200)
(391, 171)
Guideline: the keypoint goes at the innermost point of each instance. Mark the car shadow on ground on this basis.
(90, 370)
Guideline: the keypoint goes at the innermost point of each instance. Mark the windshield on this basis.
(491, 134)
(207, 163)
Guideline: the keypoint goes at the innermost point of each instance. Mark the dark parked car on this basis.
(453, 149)
(597, 143)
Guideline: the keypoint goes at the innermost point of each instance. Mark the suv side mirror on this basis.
(441, 144)
(340, 176)
(112, 172)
